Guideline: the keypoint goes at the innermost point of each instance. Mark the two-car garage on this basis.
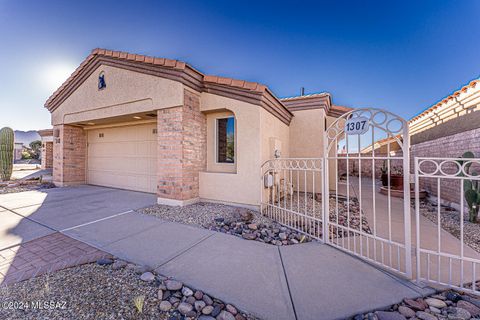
(123, 157)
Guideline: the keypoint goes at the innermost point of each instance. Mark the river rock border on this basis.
(180, 301)
(449, 304)
(269, 232)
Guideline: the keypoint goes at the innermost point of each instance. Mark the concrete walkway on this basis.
(390, 226)
(307, 281)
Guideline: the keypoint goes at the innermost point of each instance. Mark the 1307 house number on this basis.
(358, 125)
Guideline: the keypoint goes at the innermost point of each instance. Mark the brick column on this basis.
(181, 151)
(47, 155)
(69, 155)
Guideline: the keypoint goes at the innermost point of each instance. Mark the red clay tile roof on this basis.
(253, 86)
(472, 84)
(190, 77)
(305, 96)
(336, 111)
(315, 101)
(175, 64)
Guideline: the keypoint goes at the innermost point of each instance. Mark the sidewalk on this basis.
(307, 281)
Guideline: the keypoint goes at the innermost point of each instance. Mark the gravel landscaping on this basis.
(28, 185)
(110, 290)
(348, 215)
(240, 222)
(249, 225)
(202, 214)
(443, 305)
(450, 222)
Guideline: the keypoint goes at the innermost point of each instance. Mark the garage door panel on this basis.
(145, 147)
(123, 157)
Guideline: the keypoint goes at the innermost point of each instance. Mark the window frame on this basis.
(234, 141)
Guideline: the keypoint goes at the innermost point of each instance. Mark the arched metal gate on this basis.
(366, 170)
(352, 198)
(357, 198)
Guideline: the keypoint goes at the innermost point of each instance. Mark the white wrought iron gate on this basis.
(357, 198)
(366, 175)
(292, 191)
(447, 245)
(333, 199)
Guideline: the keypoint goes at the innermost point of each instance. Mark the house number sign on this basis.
(357, 125)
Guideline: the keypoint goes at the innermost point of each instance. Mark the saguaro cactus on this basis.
(6, 153)
(471, 189)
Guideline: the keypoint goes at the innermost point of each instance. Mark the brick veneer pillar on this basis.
(47, 155)
(69, 155)
(181, 151)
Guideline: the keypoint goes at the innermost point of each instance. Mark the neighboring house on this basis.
(157, 125)
(46, 136)
(17, 151)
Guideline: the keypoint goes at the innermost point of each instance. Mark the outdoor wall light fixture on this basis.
(137, 117)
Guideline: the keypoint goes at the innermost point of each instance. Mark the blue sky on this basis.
(399, 55)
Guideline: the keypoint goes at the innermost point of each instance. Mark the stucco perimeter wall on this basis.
(126, 92)
(451, 146)
(242, 187)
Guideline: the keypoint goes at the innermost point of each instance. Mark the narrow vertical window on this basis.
(101, 81)
(226, 140)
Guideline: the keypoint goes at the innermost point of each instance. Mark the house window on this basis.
(226, 140)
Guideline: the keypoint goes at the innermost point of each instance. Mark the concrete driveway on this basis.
(29, 215)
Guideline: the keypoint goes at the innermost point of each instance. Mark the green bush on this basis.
(26, 155)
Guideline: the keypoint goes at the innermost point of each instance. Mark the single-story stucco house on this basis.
(156, 125)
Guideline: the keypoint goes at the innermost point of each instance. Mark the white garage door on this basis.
(123, 157)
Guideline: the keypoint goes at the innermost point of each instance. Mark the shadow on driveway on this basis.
(42, 214)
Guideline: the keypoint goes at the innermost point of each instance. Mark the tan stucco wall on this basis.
(127, 92)
(242, 187)
(306, 134)
(274, 134)
(306, 141)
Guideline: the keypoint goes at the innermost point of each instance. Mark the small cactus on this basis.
(471, 189)
(6, 153)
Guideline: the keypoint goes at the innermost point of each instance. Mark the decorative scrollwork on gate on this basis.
(393, 125)
(448, 167)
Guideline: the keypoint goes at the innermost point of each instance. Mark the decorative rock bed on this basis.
(24, 185)
(113, 289)
(444, 305)
(249, 225)
(271, 232)
(450, 222)
(240, 222)
(342, 212)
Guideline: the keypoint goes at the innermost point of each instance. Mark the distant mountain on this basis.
(26, 136)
